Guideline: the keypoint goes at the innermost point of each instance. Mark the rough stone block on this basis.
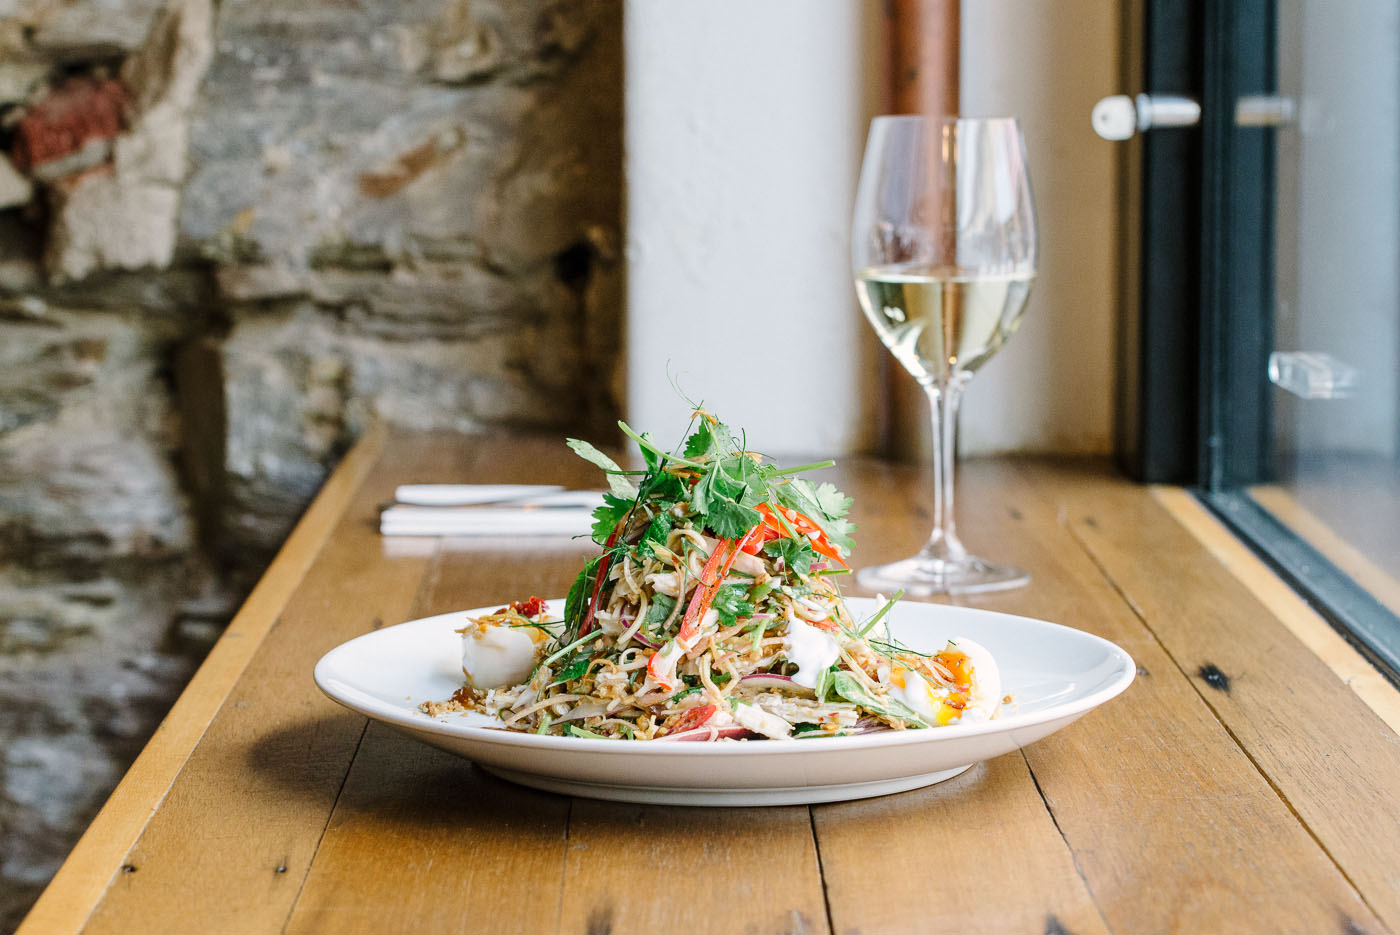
(15, 189)
(122, 215)
(325, 130)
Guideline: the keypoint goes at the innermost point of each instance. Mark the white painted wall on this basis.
(1047, 62)
(745, 125)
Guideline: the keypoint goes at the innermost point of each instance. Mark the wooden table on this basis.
(1248, 781)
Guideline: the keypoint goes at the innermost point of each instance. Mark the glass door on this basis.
(1264, 311)
(1335, 445)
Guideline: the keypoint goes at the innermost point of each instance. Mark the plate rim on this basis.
(414, 720)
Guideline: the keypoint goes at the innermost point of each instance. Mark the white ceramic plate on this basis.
(1055, 673)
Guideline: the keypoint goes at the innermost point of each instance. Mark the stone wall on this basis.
(230, 238)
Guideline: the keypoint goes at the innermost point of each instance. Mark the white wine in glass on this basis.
(944, 252)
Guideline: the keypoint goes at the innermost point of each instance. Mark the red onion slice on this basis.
(649, 644)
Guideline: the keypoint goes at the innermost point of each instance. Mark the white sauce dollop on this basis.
(810, 649)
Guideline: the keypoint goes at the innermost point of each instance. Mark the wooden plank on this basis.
(641, 868)
(420, 835)
(1310, 627)
(252, 801)
(422, 841)
(1171, 824)
(85, 875)
(1305, 730)
(874, 880)
(975, 853)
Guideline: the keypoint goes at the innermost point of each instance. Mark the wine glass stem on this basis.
(943, 408)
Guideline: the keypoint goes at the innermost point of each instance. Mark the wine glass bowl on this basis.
(943, 249)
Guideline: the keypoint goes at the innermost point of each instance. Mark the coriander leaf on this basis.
(728, 478)
(701, 442)
(703, 493)
(613, 510)
(657, 531)
(658, 612)
(832, 502)
(796, 554)
(579, 592)
(731, 603)
(576, 669)
(729, 520)
(801, 495)
(617, 482)
(667, 488)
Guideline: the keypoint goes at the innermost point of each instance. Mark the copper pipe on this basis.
(923, 43)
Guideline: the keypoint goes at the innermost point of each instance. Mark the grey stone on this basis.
(509, 172)
(74, 715)
(90, 30)
(15, 189)
(86, 440)
(125, 218)
(20, 74)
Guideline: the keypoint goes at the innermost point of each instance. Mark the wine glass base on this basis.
(922, 576)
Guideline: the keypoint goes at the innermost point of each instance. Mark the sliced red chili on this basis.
(695, 717)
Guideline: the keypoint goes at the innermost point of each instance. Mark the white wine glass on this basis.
(943, 246)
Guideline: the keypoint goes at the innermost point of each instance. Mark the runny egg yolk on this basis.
(941, 708)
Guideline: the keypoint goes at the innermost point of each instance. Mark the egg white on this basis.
(497, 657)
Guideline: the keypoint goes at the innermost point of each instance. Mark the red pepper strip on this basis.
(806, 527)
(695, 717)
(754, 544)
(587, 626)
(716, 567)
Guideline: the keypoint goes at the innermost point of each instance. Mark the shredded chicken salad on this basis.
(711, 614)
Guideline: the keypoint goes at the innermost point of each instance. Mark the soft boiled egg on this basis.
(976, 692)
(986, 676)
(498, 656)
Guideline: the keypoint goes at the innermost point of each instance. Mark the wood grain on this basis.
(421, 839)
(641, 868)
(1170, 822)
(934, 859)
(250, 804)
(1285, 604)
(1305, 730)
(423, 842)
(85, 875)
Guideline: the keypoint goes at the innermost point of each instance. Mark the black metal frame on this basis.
(1192, 378)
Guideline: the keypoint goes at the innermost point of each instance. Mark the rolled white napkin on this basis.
(555, 513)
(467, 494)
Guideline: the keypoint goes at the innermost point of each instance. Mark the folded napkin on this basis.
(554, 512)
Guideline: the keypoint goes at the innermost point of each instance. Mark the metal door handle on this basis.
(1120, 116)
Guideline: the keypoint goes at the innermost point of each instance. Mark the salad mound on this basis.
(713, 613)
